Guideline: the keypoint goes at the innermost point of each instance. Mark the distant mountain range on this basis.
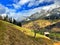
(54, 14)
(43, 14)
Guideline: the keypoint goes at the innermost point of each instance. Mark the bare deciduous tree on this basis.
(36, 28)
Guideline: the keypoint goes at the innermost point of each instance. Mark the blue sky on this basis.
(18, 8)
(21, 5)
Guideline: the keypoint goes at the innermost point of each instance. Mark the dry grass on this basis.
(57, 43)
(42, 23)
(14, 35)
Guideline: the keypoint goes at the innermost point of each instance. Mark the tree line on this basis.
(11, 20)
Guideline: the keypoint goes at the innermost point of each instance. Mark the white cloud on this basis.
(2, 9)
(18, 16)
(32, 11)
(11, 12)
(57, 2)
(5, 10)
(17, 6)
(50, 7)
(16, 1)
(35, 3)
(22, 2)
(31, 3)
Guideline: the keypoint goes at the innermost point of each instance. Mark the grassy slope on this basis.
(13, 35)
(42, 23)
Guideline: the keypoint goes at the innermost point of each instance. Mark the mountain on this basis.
(11, 34)
(54, 14)
(43, 14)
(37, 14)
(54, 27)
